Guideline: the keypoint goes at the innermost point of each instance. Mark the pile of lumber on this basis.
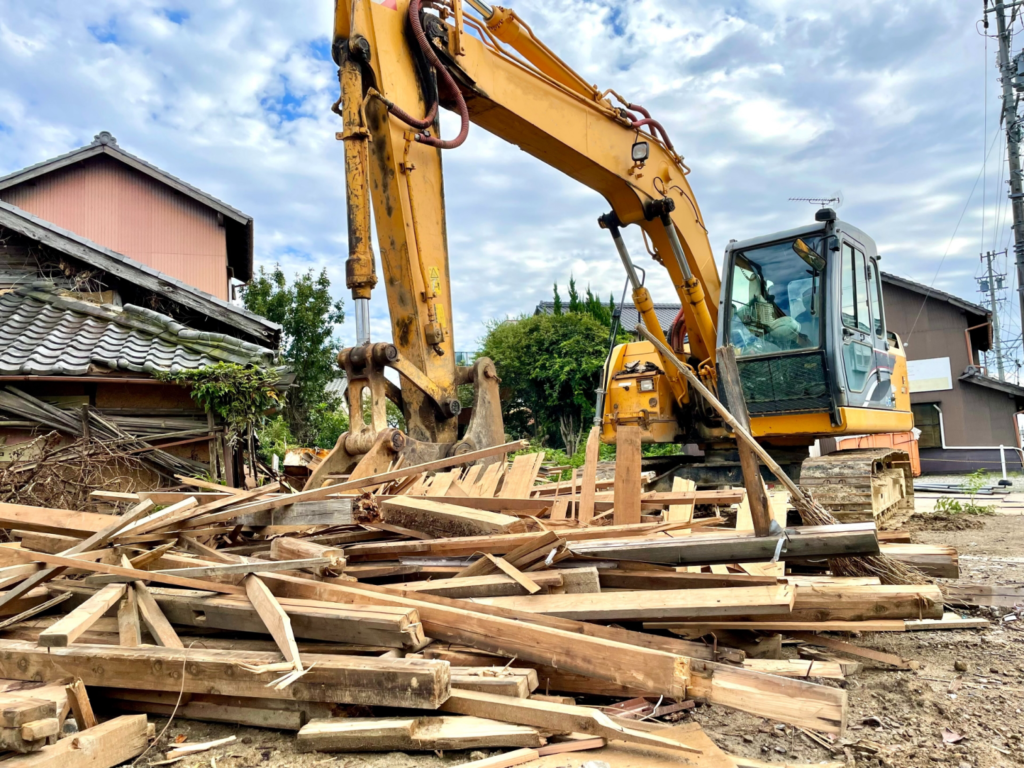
(453, 605)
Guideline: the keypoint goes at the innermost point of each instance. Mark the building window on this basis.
(926, 419)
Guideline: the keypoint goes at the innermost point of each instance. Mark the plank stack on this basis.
(474, 603)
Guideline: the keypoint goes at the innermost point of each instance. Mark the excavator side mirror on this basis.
(641, 151)
(814, 261)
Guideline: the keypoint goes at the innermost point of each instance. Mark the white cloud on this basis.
(767, 100)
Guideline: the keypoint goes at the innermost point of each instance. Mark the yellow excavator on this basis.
(802, 308)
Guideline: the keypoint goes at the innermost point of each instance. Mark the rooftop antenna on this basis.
(821, 202)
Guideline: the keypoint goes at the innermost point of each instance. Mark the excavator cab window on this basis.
(775, 301)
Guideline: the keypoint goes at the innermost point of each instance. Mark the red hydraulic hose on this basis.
(428, 51)
(408, 119)
(648, 120)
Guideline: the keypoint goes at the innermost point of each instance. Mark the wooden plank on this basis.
(81, 707)
(520, 478)
(504, 681)
(129, 629)
(804, 541)
(615, 578)
(491, 585)
(291, 548)
(197, 483)
(650, 670)
(71, 626)
(948, 621)
(698, 628)
(488, 483)
(102, 746)
(681, 513)
(587, 484)
(58, 521)
(95, 541)
(627, 475)
(515, 574)
(157, 519)
(441, 483)
(532, 547)
(371, 625)
(157, 624)
(177, 581)
(440, 519)
(507, 760)
(274, 618)
(412, 734)
(729, 379)
(559, 509)
(564, 718)
(208, 511)
(418, 684)
(660, 604)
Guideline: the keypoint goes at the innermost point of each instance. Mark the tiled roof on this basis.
(630, 317)
(135, 272)
(43, 332)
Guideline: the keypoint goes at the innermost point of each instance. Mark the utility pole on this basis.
(1007, 74)
(989, 285)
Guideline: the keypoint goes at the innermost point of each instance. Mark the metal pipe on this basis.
(677, 247)
(482, 8)
(627, 262)
(362, 310)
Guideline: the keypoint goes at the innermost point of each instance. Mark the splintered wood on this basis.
(483, 586)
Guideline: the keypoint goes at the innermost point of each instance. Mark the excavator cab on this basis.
(803, 311)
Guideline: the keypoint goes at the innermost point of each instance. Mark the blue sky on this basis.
(882, 102)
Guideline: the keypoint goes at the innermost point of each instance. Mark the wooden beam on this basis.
(71, 626)
(729, 379)
(102, 746)
(627, 475)
(418, 684)
(440, 519)
(658, 604)
(781, 699)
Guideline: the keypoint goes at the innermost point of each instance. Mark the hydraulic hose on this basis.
(648, 120)
(428, 51)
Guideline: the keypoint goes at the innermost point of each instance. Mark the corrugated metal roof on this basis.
(105, 144)
(43, 332)
(135, 272)
(630, 317)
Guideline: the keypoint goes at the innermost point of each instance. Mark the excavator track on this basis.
(872, 484)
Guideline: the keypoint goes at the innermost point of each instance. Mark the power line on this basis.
(950, 243)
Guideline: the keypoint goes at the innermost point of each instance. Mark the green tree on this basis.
(307, 314)
(558, 301)
(550, 367)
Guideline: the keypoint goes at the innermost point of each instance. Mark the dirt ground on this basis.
(969, 687)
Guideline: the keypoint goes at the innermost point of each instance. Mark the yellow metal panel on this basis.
(853, 421)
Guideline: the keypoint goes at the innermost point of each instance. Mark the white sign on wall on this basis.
(932, 375)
